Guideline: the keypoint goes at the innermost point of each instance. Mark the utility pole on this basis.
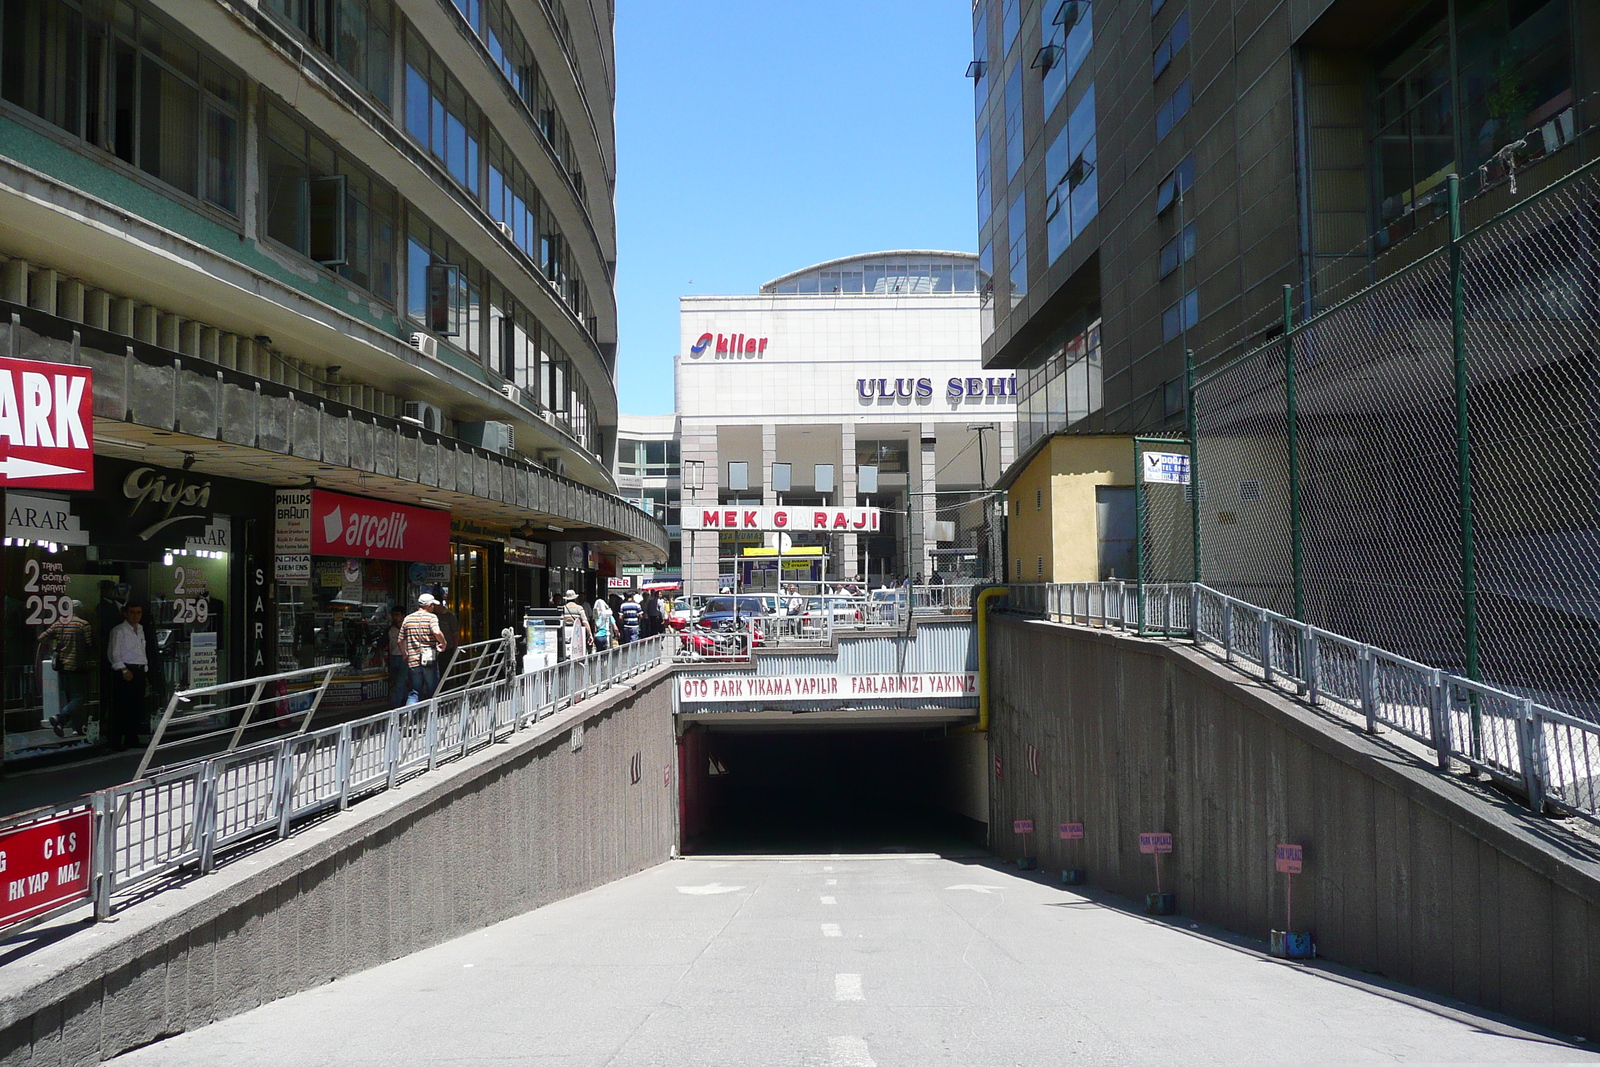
(983, 477)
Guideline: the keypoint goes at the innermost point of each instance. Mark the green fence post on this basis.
(1296, 547)
(1138, 526)
(1194, 454)
(1469, 561)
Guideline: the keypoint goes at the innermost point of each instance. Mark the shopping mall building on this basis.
(342, 276)
(855, 382)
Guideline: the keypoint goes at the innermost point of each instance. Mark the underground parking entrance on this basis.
(831, 783)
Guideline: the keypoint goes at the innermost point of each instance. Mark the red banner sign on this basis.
(1072, 831)
(376, 529)
(46, 425)
(44, 865)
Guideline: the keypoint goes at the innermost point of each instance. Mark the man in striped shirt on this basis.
(423, 640)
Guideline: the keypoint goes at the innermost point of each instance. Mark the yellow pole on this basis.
(980, 608)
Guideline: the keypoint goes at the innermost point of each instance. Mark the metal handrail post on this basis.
(393, 745)
(1312, 649)
(1369, 688)
(1440, 699)
(206, 817)
(286, 781)
(1534, 771)
(344, 766)
(1227, 631)
(1265, 629)
(104, 852)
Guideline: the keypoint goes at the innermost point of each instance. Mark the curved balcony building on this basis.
(345, 249)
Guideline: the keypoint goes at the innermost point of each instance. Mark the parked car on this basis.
(685, 610)
(719, 610)
(842, 610)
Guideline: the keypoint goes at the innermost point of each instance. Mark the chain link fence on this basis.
(1415, 466)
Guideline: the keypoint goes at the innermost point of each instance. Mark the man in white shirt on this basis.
(130, 661)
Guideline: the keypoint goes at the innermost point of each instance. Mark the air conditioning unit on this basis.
(426, 343)
(507, 232)
(428, 416)
(553, 461)
(511, 391)
(498, 437)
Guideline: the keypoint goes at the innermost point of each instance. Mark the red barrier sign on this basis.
(999, 771)
(1156, 843)
(1022, 826)
(1072, 831)
(44, 865)
(1290, 859)
(46, 425)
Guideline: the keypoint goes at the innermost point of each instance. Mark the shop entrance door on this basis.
(469, 591)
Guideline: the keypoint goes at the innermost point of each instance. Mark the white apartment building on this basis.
(855, 382)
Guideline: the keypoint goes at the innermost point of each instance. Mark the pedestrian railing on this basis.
(186, 816)
(480, 662)
(1551, 756)
(946, 599)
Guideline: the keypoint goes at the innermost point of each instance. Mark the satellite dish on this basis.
(785, 542)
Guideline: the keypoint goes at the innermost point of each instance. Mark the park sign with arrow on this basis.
(46, 425)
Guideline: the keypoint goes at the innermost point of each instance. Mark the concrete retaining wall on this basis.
(1431, 882)
(511, 827)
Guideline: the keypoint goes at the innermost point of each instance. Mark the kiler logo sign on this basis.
(46, 425)
(731, 346)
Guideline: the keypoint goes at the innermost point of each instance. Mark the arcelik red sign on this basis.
(46, 425)
(376, 529)
(822, 520)
(44, 865)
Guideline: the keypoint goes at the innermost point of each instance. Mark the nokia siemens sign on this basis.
(729, 346)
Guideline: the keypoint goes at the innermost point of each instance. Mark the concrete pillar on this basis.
(769, 456)
(210, 347)
(848, 563)
(144, 324)
(167, 329)
(189, 337)
(42, 290)
(924, 509)
(700, 547)
(228, 350)
(69, 299)
(250, 194)
(97, 309)
(14, 281)
(121, 316)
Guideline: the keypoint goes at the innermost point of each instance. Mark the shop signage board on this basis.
(804, 519)
(46, 425)
(344, 525)
(44, 865)
(522, 553)
(826, 687)
(42, 518)
(1169, 467)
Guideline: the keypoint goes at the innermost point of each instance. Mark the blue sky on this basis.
(756, 137)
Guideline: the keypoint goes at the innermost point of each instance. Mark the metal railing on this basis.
(1547, 754)
(186, 815)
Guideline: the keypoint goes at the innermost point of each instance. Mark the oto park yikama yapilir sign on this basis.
(801, 519)
(46, 425)
(694, 690)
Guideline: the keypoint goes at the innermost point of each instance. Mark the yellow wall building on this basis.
(1070, 510)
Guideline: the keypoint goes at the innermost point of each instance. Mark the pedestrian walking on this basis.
(605, 625)
(655, 616)
(422, 640)
(575, 620)
(630, 613)
(397, 657)
(129, 656)
(71, 653)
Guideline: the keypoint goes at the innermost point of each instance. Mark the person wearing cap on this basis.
(72, 647)
(580, 634)
(422, 640)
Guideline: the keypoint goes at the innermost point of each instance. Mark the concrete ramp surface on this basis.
(849, 961)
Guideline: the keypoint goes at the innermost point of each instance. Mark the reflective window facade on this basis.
(1065, 386)
(883, 278)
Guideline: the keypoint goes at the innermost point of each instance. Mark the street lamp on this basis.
(691, 479)
(983, 477)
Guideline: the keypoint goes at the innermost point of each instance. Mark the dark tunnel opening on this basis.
(822, 791)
